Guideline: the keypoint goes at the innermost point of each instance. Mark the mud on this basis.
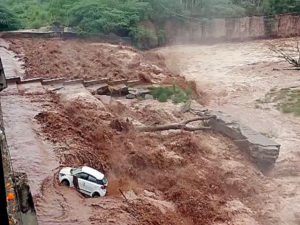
(22, 133)
(235, 76)
(80, 59)
(160, 163)
(169, 177)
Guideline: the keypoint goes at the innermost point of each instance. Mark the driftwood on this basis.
(177, 126)
(123, 195)
(287, 54)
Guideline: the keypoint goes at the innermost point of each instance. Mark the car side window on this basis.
(82, 176)
(92, 179)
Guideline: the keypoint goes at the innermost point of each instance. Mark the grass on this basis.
(174, 93)
(292, 103)
(287, 100)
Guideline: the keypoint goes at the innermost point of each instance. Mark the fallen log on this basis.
(177, 126)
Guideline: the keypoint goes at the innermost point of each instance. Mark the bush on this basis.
(144, 38)
(107, 16)
(8, 20)
(175, 93)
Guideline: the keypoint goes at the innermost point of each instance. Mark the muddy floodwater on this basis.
(236, 76)
(233, 75)
(36, 158)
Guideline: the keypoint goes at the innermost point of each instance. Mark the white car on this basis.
(85, 179)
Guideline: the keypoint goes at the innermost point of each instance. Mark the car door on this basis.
(82, 179)
(91, 184)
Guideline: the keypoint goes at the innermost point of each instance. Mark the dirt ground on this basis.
(169, 177)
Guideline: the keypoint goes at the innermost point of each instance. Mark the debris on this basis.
(148, 97)
(130, 96)
(10, 196)
(130, 195)
(120, 125)
(177, 126)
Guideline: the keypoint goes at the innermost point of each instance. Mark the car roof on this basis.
(98, 175)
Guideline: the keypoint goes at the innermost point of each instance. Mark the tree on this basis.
(107, 16)
(280, 6)
(8, 20)
(290, 54)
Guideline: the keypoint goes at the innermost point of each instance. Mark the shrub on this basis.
(175, 93)
(144, 38)
(8, 20)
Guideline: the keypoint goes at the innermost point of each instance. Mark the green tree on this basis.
(107, 16)
(281, 6)
(8, 20)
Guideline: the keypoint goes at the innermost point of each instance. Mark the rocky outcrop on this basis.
(260, 148)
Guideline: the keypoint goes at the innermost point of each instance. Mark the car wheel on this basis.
(65, 183)
(96, 195)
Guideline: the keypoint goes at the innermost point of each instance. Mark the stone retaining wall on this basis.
(260, 148)
(232, 29)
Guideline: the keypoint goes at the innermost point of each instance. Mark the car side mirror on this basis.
(3, 83)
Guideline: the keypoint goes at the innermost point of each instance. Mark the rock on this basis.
(103, 90)
(138, 92)
(130, 195)
(260, 148)
(118, 90)
(149, 194)
(131, 96)
(148, 97)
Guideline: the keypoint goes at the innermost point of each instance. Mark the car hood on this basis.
(66, 170)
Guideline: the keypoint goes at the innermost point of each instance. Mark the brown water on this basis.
(235, 76)
(29, 152)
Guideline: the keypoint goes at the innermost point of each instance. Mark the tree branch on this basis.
(177, 126)
(282, 54)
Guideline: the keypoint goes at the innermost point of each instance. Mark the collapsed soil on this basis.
(74, 59)
(177, 167)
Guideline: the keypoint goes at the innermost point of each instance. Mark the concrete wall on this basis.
(196, 31)
(232, 29)
(261, 149)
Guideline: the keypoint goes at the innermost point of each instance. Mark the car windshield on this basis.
(103, 181)
(76, 170)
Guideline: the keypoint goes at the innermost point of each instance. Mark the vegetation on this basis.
(8, 20)
(291, 103)
(286, 100)
(123, 17)
(175, 93)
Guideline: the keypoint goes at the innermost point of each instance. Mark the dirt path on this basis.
(235, 76)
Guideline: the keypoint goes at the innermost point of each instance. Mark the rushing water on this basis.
(236, 75)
